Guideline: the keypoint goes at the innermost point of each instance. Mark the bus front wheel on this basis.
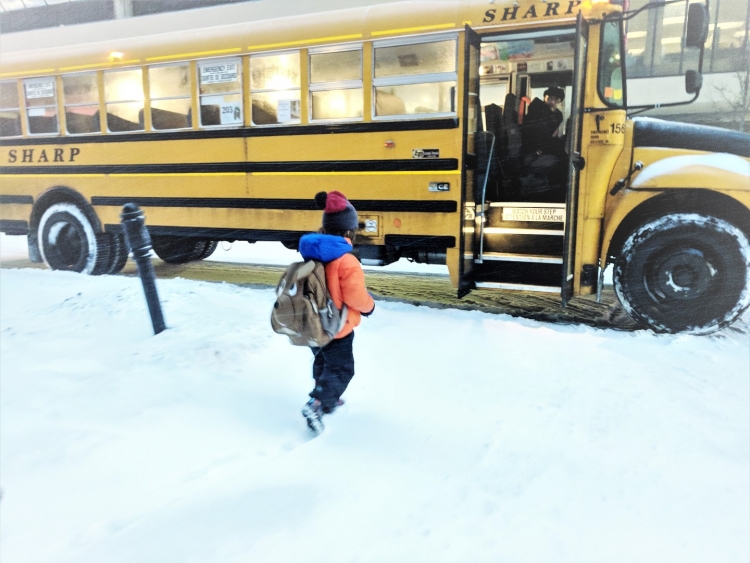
(67, 241)
(684, 272)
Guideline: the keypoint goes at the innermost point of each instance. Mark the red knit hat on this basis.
(338, 213)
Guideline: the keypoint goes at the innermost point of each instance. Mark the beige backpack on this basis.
(304, 310)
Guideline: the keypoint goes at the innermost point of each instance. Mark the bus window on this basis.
(336, 84)
(81, 99)
(610, 65)
(414, 79)
(220, 92)
(169, 88)
(41, 105)
(123, 94)
(10, 111)
(275, 88)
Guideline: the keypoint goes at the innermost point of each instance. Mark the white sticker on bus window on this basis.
(218, 73)
(42, 88)
(287, 110)
(36, 112)
(231, 113)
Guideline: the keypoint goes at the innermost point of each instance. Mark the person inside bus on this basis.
(542, 122)
(544, 157)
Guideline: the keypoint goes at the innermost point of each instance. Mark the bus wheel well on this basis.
(56, 194)
(704, 202)
(62, 194)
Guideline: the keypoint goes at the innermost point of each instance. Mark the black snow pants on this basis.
(333, 369)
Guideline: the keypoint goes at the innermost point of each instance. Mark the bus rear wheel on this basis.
(178, 250)
(67, 241)
(684, 272)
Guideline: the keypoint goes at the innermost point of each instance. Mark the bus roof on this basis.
(138, 43)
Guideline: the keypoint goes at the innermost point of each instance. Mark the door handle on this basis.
(579, 163)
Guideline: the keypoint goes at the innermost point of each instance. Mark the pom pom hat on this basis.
(338, 213)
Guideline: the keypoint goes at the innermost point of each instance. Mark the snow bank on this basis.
(465, 436)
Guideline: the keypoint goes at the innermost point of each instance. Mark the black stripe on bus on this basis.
(370, 205)
(283, 131)
(217, 233)
(422, 242)
(403, 165)
(13, 227)
(16, 199)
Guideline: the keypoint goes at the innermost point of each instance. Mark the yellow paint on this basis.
(99, 65)
(195, 54)
(413, 29)
(336, 39)
(28, 72)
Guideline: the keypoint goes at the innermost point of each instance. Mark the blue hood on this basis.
(323, 247)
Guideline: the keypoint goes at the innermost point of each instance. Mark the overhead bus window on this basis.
(169, 87)
(336, 84)
(10, 111)
(220, 92)
(275, 89)
(41, 105)
(81, 99)
(123, 94)
(415, 79)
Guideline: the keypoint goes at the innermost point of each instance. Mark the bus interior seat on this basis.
(42, 124)
(210, 114)
(164, 119)
(512, 128)
(388, 104)
(490, 167)
(10, 126)
(119, 124)
(79, 123)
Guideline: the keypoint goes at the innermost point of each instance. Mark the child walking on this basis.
(333, 367)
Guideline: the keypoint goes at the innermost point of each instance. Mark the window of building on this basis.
(123, 94)
(81, 99)
(220, 91)
(415, 78)
(169, 87)
(336, 84)
(41, 105)
(10, 110)
(275, 88)
(655, 39)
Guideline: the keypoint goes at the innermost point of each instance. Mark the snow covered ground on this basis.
(465, 436)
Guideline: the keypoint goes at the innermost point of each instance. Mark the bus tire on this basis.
(208, 250)
(118, 254)
(177, 250)
(67, 241)
(684, 272)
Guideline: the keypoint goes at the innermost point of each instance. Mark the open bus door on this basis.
(469, 204)
(575, 162)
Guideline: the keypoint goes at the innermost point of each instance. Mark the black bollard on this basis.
(139, 243)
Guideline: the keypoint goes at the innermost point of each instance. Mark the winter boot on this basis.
(313, 413)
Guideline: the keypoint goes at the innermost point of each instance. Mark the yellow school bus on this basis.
(420, 112)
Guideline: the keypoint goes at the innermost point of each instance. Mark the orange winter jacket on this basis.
(346, 284)
(345, 278)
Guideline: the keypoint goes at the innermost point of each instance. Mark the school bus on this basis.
(416, 111)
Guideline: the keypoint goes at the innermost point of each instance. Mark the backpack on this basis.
(304, 310)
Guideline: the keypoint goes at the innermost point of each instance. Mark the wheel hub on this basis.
(683, 275)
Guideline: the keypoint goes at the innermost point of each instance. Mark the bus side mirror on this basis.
(697, 26)
(693, 81)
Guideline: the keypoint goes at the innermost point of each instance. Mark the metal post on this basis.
(139, 243)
